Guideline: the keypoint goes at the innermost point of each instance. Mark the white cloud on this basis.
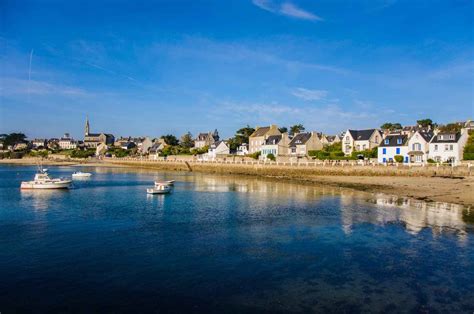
(293, 11)
(287, 9)
(309, 94)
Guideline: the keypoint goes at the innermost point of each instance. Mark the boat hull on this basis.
(45, 186)
(156, 191)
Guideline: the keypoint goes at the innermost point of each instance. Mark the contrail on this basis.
(29, 76)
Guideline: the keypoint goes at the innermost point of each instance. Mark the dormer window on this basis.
(386, 141)
(451, 136)
(399, 140)
(440, 137)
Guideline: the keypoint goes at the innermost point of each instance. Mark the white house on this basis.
(419, 146)
(243, 149)
(67, 142)
(218, 148)
(359, 140)
(38, 142)
(391, 146)
(448, 147)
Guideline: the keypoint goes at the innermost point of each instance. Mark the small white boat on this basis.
(79, 174)
(169, 183)
(43, 181)
(159, 189)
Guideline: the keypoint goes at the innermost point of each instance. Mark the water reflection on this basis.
(40, 200)
(416, 215)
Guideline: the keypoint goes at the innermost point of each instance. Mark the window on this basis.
(384, 151)
(376, 139)
(384, 160)
(386, 141)
(398, 150)
(363, 147)
(451, 136)
(416, 146)
(450, 147)
(446, 147)
(406, 158)
(399, 140)
(436, 148)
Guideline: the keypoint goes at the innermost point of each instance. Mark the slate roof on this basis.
(361, 135)
(260, 131)
(393, 140)
(300, 139)
(446, 139)
(273, 140)
(427, 136)
(202, 137)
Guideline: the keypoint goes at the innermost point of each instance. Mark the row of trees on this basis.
(450, 127)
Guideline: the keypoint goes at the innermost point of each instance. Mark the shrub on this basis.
(82, 153)
(431, 161)
(468, 156)
(255, 155)
(271, 157)
(398, 158)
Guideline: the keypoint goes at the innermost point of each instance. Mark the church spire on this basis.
(86, 131)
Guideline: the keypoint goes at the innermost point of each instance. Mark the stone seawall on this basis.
(300, 171)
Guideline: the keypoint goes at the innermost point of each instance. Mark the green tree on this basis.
(283, 129)
(391, 126)
(241, 136)
(187, 140)
(271, 157)
(451, 127)
(297, 128)
(13, 138)
(425, 122)
(170, 139)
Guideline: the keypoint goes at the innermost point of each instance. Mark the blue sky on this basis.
(156, 67)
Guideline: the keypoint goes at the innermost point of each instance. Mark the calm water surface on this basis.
(226, 244)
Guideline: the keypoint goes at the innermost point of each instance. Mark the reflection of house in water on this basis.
(415, 214)
(270, 188)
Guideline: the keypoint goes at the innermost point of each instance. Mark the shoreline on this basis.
(455, 190)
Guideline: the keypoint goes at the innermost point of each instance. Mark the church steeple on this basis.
(86, 131)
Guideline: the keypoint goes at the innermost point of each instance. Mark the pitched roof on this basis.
(300, 139)
(394, 140)
(427, 136)
(260, 131)
(361, 135)
(446, 137)
(272, 140)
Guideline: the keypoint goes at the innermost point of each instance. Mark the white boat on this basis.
(43, 181)
(159, 189)
(169, 183)
(79, 174)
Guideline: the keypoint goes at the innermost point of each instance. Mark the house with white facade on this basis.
(38, 142)
(391, 146)
(448, 146)
(259, 136)
(243, 149)
(67, 142)
(360, 140)
(277, 145)
(302, 143)
(419, 146)
(217, 149)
